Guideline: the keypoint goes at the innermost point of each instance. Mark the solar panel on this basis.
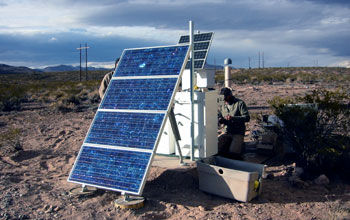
(197, 64)
(201, 47)
(151, 61)
(122, 139)
(200, 54)
(197, 37)
(125, 129)
(112, 168)
(142, 94)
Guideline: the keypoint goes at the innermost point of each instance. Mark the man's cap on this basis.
(226, 91)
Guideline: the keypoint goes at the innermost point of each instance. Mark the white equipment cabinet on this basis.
(205, 122)
(205, 119)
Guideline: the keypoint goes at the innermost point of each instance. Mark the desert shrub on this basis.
(94, 96)
(318, 128)
(11, 141)
(300, 74)
(11, 96)
(66, 103)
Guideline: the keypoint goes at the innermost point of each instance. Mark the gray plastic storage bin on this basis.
(229, 178)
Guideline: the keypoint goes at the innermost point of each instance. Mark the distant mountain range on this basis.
(7, 69)
(63, 68)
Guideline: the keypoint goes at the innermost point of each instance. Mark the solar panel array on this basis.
(201, 47)
(119, 146)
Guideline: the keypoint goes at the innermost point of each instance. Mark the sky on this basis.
(40, 33)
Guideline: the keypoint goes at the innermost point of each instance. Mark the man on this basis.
(106, 79)
(233, 115)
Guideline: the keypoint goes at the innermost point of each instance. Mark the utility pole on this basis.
(80, 64)
(82, 48)
(263, 60)
(86, 70)
(249, 62)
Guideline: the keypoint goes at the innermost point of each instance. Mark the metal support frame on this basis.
(83, 188)
(192, 87)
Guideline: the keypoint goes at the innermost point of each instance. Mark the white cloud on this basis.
(286, 30)
(52, 39)
(108, 65)
(344, 63)
(138, 32)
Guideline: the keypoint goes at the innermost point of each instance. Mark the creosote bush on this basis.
(10, 141)
(318, 127)
(11, 97)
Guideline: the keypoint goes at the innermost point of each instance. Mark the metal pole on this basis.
(263, 60)
(192, 89)
(86, 76)
(80, 65)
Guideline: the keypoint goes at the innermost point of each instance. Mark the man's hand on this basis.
(228, 117)
(222, 121)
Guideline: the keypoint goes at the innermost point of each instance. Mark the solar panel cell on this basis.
(203, 37)
(151, 61)
(125, 129)
(111, 168)
(197, 38)
(139, 94)
(197, 64)
(201, 46)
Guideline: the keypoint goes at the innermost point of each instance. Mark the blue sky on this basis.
(39, 33)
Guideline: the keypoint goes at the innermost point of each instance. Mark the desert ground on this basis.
(33, 179)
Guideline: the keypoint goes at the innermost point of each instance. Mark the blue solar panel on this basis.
(118, 148)
(152, 61)
(201, 47)
(197, 37)
(197, 64)
(200, 54)
(139, 94)
(125, 129)
(111, 168)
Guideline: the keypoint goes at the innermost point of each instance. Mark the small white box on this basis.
(229, 178)
(205, 78)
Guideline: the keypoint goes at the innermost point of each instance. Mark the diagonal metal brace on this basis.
(176, 133)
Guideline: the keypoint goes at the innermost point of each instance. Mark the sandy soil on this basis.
(33, 182)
